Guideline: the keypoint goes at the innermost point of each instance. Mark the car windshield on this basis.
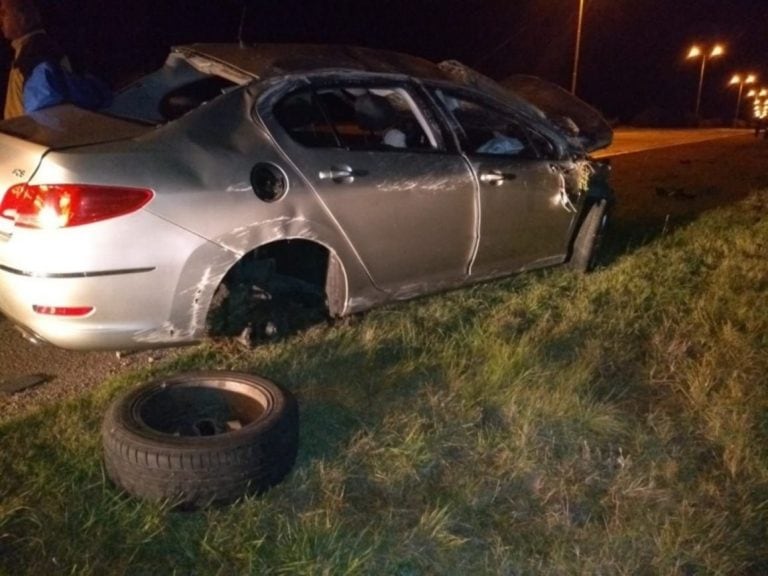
(167, 93)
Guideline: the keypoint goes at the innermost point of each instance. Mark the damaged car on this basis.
(237, 185)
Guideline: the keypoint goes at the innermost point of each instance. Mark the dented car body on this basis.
(360, 176)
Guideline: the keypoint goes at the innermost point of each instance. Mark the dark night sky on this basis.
(632, 52)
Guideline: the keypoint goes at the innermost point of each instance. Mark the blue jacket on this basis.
(48, 81)
(50, 84)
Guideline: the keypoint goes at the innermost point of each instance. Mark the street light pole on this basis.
(701, 84)
(578, 48)
(695, 51)
(740, 80)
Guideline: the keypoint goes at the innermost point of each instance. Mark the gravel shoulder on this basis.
(62, 374)
(653, 189)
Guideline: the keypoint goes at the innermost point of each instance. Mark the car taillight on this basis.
(65, 205)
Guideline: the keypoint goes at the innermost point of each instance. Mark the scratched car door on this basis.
(525, 212)
(378, 163)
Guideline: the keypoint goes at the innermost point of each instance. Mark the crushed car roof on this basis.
(241, 64)
(265, 60)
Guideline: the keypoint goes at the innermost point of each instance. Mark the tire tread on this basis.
(199, 473)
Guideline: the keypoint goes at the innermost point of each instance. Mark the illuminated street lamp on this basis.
(695, 52)
(739, 80)
(760, 104)
(578, 48)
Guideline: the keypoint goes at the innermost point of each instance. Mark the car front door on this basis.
(373, 155)
(525, 211)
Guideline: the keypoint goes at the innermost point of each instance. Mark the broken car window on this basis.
(167, 93)
(188, 97)
(356, 118)
(486, 130)
(302, 118)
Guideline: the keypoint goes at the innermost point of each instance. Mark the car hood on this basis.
(575, 118)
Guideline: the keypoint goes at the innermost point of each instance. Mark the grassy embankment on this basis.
(615, 423)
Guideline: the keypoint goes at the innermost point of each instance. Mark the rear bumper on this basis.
(147, 283)
(127, 312)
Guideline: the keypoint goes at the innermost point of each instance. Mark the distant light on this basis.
(739, 79)
(696, 51)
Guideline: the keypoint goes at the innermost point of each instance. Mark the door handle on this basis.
(338, 174)
(495, 177)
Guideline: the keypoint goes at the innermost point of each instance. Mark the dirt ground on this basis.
(654, 189)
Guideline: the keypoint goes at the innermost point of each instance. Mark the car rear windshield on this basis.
(167, 93)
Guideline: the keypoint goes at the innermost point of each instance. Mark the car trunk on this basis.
(25, 140)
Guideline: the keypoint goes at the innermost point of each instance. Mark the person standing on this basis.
(37, 77)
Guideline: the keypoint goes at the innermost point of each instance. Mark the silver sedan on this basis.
(236, 187)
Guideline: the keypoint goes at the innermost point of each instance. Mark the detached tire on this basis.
(201, 437)
(589, 236)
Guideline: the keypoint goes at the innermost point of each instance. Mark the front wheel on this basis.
(588, 239)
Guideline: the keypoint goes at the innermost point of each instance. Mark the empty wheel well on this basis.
(274, 279)
(300, 259)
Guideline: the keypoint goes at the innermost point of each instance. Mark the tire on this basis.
(589, 236)
(201, 437)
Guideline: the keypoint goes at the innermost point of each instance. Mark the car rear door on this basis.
(406, 204)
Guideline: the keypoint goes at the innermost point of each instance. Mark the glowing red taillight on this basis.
(62, 310)
(65, 205)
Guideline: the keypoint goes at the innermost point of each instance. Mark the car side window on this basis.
(356, 118)
(300, 115)
(483, 129)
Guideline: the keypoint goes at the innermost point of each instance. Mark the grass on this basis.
(615, 423)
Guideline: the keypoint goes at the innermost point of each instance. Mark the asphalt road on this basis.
(632, 140)
(53, 373)
(61, 374)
